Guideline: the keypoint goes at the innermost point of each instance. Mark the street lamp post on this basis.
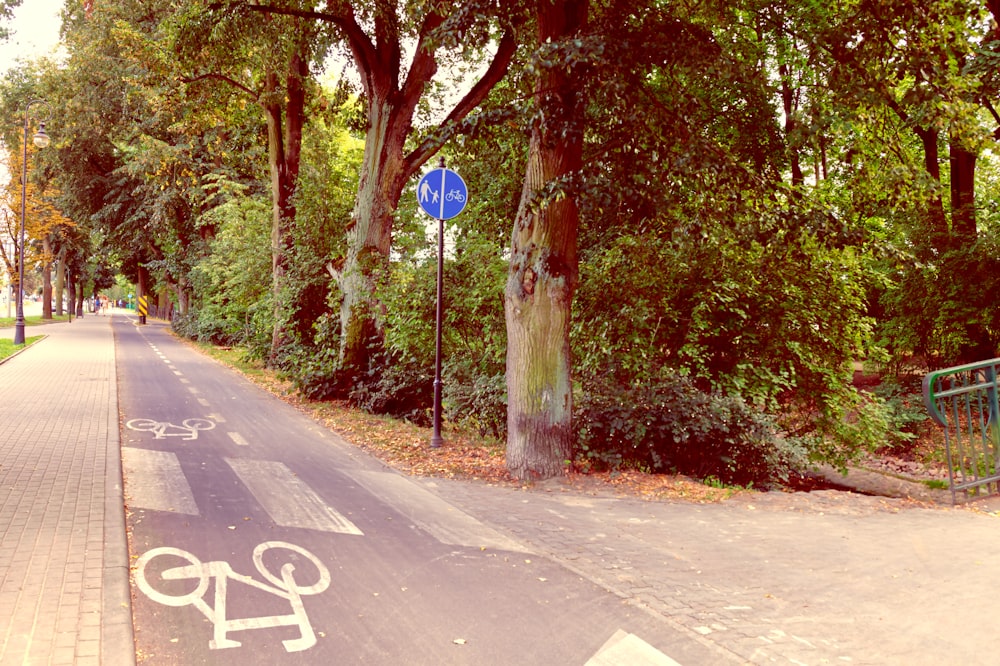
(41, 139)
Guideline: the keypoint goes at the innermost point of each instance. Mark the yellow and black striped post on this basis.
(143, 308)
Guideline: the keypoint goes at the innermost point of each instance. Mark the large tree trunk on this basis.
(392, 97)
(285, 117)
(46, 277)
(79, 299)
(936, 218)
(963, 194)
(369, 238)
(790, 104)
(60, 286)
(543, 270)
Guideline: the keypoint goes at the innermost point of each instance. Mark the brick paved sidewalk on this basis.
(64, 594)
(775, 578)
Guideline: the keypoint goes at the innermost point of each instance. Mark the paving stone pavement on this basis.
(64, 595)
(820, 578)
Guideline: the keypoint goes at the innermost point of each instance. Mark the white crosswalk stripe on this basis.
(287, 499)
(154, 480)
(625, 649)
(432, 514)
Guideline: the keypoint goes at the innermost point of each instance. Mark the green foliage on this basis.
(473, 333)
(764, 186)
(905, 411)
(312, 366)
(776, 324)
(234, 277)
(475, 394)
(671, 426)
(398, 386)
(944, 310)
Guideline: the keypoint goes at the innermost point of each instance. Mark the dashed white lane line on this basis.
(287, 499)
(238, 438)
(154, 480)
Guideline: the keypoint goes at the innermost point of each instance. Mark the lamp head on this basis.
(41, 139)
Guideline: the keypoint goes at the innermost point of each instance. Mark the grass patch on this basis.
(34, 320)
(8, 348)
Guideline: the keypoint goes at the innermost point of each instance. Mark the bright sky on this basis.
(35, 32)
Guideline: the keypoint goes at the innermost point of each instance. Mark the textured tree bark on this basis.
(369, 238)
(47, 277)
(285, 114)
(543, 270)
(60, 285)
(936, 217)
(963, 194)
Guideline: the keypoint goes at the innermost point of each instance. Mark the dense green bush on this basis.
(671, 426)
(944, 312)
(904, 410)
(476, 396)
(400, 387)
(473, 335)
(777, 323)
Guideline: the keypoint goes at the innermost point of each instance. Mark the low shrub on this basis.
(397, 386)
(476, 396)
(905, 412)
(672, 426)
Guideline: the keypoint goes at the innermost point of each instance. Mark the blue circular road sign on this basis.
(442, 193)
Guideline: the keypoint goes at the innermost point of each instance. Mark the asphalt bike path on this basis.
(257, 533)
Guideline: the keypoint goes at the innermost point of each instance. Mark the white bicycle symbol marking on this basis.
(188, 429)
(454, 195)
(282, 585)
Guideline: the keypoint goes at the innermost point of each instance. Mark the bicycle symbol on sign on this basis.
(188, 429)
(282, 585)
(454, 195)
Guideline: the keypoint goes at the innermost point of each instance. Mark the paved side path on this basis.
(819, 578)
(64, 595)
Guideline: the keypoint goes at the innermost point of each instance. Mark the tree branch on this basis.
(472, 99)
(341, 14)
(424, 64)
(226, 79)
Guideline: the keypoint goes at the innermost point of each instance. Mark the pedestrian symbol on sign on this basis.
(427, 195)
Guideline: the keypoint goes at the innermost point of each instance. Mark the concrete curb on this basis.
(117, 636)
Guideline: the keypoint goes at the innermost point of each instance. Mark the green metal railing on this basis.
(963, 400)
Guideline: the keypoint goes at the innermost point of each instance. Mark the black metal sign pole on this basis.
(442, 194)
(436, 437)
